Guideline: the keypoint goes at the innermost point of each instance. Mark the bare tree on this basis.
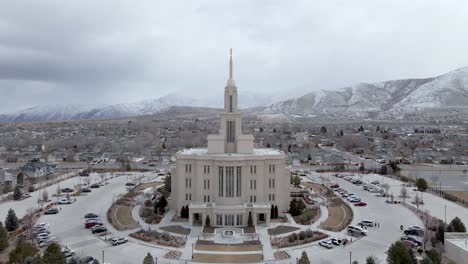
(404, 193)
(29, 220)
(386, 187)
(417, 201)
(58, 191)
(88, 180)
(45, 196)
(103, 176)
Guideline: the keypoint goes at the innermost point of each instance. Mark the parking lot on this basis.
(378, 240)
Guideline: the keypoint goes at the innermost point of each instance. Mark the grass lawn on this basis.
(282, 229)
(226, 258)
(122, 216)
(176, 229)
(336, 216)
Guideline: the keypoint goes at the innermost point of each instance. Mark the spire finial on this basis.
(230, 64)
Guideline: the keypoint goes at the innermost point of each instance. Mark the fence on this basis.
(449, 196)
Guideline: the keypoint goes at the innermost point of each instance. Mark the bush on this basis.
(421, 184)
(302, 235)
(148, 203)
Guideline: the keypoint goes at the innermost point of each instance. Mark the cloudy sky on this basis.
(103, 52)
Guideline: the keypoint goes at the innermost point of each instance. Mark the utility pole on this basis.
(350, 254)
(103, 257)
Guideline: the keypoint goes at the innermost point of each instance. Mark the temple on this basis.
(230, 180)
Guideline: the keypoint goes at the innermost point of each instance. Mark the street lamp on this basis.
(350, 254)
(103, 257)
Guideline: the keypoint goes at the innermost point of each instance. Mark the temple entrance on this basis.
(261, 218)
(197, 219)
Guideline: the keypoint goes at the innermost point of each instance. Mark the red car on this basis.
(335, 186)
(360, 204)
(92, 223)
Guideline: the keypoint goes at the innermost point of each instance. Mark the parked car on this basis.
(64, 201)
(336, 241)
(67, 252)
(130, 184)
(414, 232)
(94, 222)
(367, 223)
(375, 182)
(87, 260)
(355, 230)
(52, 211)
(119, 240)
(412, 239)
(25, 196)
(360, 204)
(94, 186)
(335, 186)
(99, 229)
(67, 190)
(326, 244)
(85, 190)
(91, 215)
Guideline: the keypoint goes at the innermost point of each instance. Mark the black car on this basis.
(99, 229)
(414, 232)
(91, 215)
(130, 184)
(51, 211)
(94, 186)
(67, 190)
(85, 190)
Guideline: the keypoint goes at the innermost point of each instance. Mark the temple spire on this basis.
(230, 82)
(230, 65)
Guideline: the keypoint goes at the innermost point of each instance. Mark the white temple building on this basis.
(230, 179)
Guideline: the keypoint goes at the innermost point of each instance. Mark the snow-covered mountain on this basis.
(45, 113)
(144, 107)
(400, 99)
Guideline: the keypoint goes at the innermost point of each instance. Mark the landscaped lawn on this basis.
(227, 248)
(282, 229)
(307, 216)
(176, 229)
(226, 258)
(122, 217)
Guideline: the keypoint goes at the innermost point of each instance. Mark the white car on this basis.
(64, 201)
(326, 244)
(357, 230)
(119, 240)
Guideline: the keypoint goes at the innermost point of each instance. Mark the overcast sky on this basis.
(101, 52)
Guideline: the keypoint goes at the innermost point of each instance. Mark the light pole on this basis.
(350, 254)
(445, 214)
(103, 256)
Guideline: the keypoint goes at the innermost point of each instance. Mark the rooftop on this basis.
(256, 152)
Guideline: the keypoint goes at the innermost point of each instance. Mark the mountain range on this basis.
(399, 99)
(443, 96)
(139, 108)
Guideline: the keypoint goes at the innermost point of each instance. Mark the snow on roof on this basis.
(256, 151)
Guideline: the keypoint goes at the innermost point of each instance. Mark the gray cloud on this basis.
(116, 51)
